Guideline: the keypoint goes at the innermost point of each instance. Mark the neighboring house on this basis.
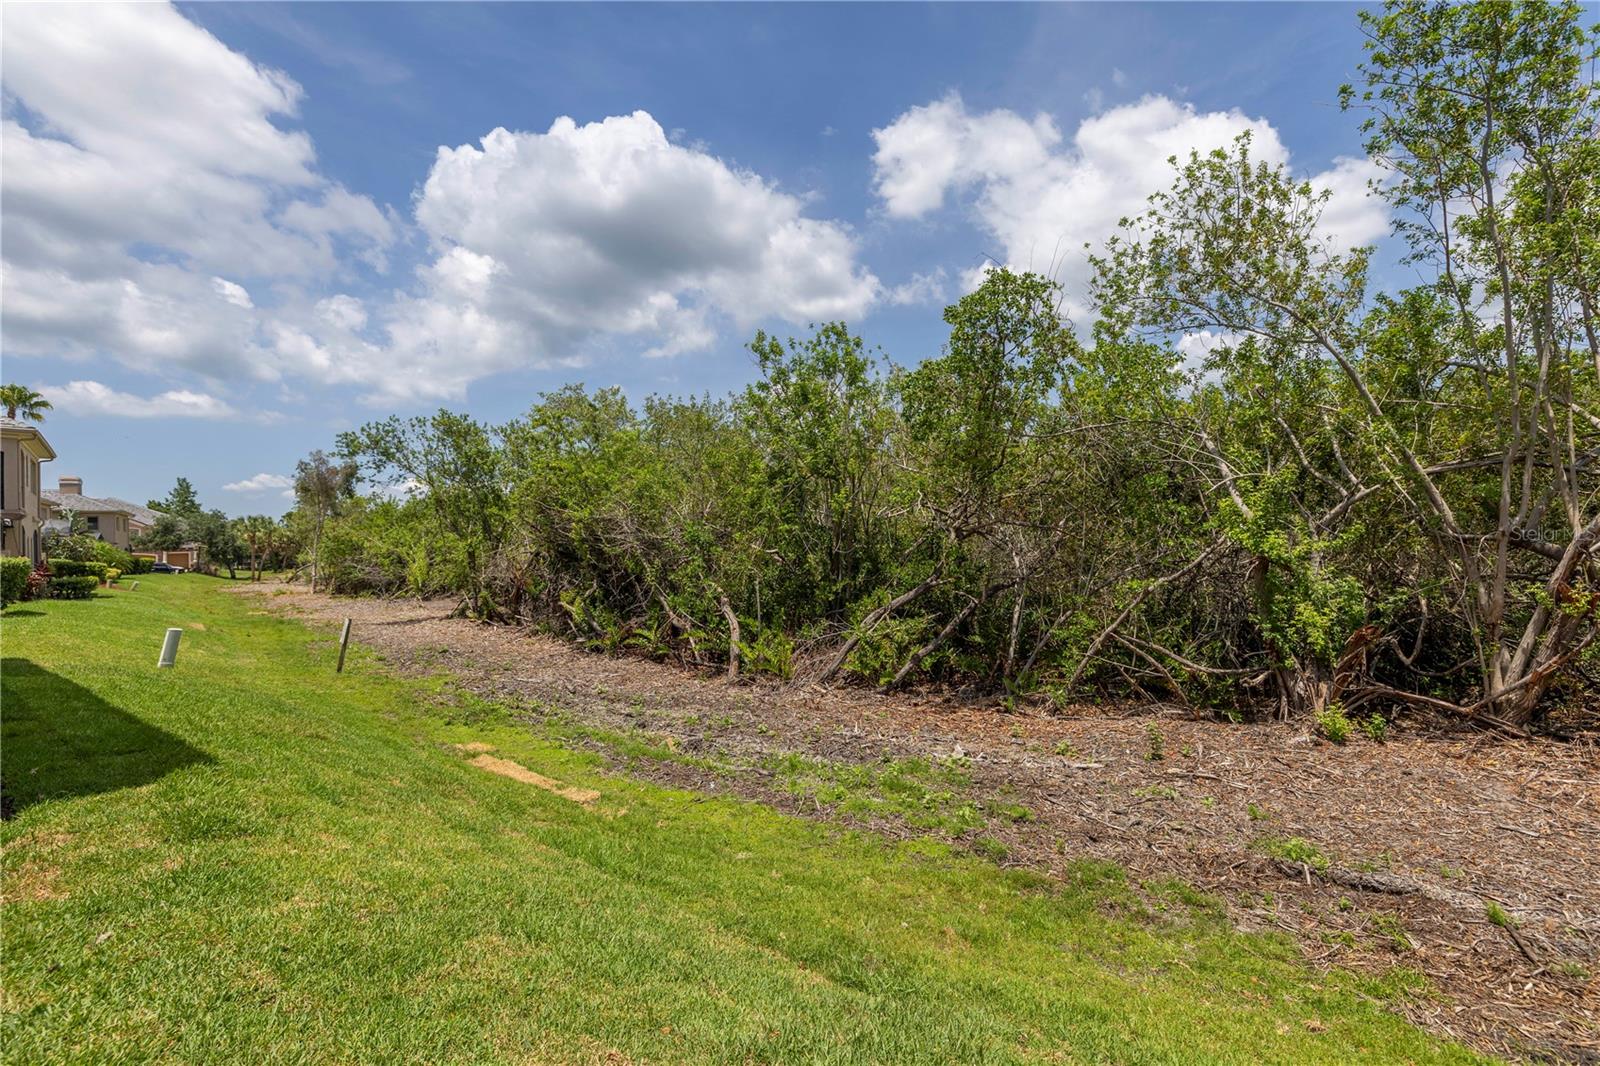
(23, 509)
(140, 518)
(110, 520)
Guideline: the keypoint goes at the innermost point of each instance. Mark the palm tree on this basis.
(22, 402)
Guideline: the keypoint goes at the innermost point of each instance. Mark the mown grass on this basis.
(252, 859)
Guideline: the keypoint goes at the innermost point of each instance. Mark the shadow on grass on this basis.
(59, 740)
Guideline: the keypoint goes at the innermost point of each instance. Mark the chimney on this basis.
(73, 485)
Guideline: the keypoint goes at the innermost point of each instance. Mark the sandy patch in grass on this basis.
(476, 747)
(518, 772)
(32, 882)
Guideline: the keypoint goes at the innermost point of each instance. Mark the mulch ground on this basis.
(1423, 831)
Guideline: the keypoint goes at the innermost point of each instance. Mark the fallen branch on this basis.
(873, 618)
(1105, 634)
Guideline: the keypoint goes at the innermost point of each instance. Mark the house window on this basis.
(93, 522)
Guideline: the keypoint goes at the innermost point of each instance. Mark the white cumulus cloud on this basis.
(1044, 197)
(150, 173)
(544, 242)
(260, 483)
(930, 288)
(93, 398)
(163, 211)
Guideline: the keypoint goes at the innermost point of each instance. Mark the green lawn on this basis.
(252, 859)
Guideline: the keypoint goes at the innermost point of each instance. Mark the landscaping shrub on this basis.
(74, 588)
(38, 580)
(138, 564)
(78, 568)
(113, 556)
(112, 573)
(14, 578)
(79, 547)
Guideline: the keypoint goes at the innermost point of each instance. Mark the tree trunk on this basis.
(316, 553)
(733, 637)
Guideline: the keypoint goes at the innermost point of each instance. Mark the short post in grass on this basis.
(169, 649)
(135, 586)
(344, 640)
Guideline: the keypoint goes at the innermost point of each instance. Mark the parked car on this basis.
(165, 568)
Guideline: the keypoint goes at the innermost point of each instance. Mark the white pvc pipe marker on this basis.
(169, 648)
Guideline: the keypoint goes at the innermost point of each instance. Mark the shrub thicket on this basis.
(1356, 496)
(78, 568)
(73, 588)
(14, 572)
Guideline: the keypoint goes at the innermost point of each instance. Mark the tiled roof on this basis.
(71, 501)
(143, 515)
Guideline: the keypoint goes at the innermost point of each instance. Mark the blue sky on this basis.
(230, 231)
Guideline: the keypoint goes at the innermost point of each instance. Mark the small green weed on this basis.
(1497, 915)
(1155, 744)
(1388, 927)
(1294, 849)
(1333, 724)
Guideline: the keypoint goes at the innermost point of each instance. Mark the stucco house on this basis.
(112, 520)
(23, 508)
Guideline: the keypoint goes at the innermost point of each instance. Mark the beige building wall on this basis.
(111, 525)
(21, 453)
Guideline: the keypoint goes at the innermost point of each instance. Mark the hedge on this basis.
(140, 565)
(74, 588)
(73, 568)
(13, 578)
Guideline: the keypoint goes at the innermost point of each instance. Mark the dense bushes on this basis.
(113, 557)
(1353, 497)
(73, 588)
(77, 568)
(14, 572)
(138, 564)
(77, 547)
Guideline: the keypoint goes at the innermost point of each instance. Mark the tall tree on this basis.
(256, 531)
(1486, 117)
(217, 537)
(182, 502)
(321, 487)
(1332, 403)
(456, 462)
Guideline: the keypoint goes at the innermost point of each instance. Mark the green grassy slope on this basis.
(252, 859)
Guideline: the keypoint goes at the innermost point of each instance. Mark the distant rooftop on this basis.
(70, 497)
(74, 501)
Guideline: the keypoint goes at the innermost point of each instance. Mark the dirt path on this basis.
(1420, 834)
